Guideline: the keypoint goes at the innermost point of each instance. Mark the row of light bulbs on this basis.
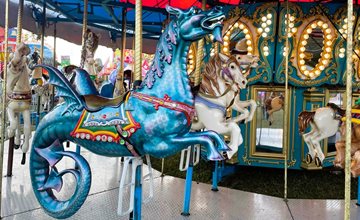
(191, 65)
(265, 25)
(242, 28)
(325, 55)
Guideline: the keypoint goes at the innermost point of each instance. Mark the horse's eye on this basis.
(196, 11)
(232, 66)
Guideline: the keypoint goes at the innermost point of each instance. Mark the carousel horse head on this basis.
(18, 60)
(222, 68)
(18, 80)
(245, 60)
(90, 46)
(194, 23)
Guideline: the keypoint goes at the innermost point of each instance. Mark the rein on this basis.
(166, 102)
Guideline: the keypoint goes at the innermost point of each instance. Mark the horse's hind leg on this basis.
(202, 138)
(307, 138)
(316, 141)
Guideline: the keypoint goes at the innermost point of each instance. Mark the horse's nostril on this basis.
(243, 82)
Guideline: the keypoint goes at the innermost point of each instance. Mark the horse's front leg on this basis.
(203, 138)
(253, 107)
(13, 122)
(27, 130)
(17, 132)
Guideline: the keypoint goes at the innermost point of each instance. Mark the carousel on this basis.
(263, 84)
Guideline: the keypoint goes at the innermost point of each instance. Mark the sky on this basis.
(65, 48)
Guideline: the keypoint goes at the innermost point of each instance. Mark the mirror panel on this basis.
(268, 122)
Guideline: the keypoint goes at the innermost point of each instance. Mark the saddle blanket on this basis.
(102, 125)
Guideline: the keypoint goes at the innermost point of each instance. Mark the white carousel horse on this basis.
(88, 62)
(219, 90)
(38, 82)
(19, 96)
(324, 123)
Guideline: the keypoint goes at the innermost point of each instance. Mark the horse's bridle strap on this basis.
(166, 102)
(20, 96)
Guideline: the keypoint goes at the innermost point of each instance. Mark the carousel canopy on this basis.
(105, 17)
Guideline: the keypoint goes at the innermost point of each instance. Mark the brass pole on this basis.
(138, 40)
(19, 21)
(120, 74)
(85, 15)
(286, 104)
(349, 75)
(199, 54)
(54, 64)
(3, 114)
(43, 32)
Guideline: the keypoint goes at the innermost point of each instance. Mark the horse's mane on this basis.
(211, 75)
(164, 54)
(92, 40)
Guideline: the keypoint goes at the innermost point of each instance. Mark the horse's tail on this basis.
(46, 152)
(337, 109)
(304, 119)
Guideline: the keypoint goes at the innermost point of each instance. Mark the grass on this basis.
(302, 184)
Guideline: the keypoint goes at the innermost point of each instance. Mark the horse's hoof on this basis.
(318, 162)
(16, 146)
(270, 123)
(23, 160)
(308, 159)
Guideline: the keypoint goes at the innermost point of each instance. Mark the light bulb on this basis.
(269, 16)
(320, 23)
(241, 26)
(263, 18)
(260, 30)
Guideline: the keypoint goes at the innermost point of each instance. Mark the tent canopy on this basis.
(105, 17)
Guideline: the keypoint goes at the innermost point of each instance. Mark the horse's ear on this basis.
(223, 57)
(173, 11)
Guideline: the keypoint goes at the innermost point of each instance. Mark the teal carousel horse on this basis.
(155, 119)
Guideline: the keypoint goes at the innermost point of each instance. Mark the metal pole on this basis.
(37, 120)
(286, 104)
(138, 193)
(162, 167)
(199, 54)
(138, 40)
(188, 184)
(85, 14)
(54, 64)
(349, 75)
(3, 114)
(215, 175)
(19, 21)
(120, 74)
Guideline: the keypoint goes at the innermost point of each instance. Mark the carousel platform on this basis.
(19, 202)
